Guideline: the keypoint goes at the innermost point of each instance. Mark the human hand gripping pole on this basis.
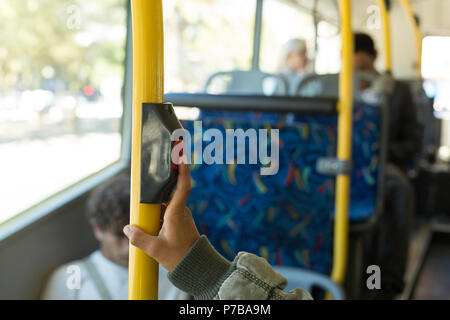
(178, 233)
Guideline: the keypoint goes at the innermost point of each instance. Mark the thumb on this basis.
(142, 240)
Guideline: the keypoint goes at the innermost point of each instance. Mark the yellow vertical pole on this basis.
(148, 81)
(386, 28)
(418, 34)
(345, 128)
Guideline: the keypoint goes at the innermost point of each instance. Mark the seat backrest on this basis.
(327, 85)
(294, 81)
(308, 280)
(319, 85)
(367, 137)
(251, 82)
(285, 218)
(367, 161)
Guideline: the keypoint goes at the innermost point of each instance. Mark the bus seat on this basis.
(294, 80)
(315, 85)
(366, 152)
(251, 82)
(327, 85)
(308, 280)
(290, 213)
(366, 141)
(285, 218)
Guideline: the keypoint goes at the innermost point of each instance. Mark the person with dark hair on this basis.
(404, 129)
(108, 210)
(404, 142)
(365, 53)
(103, 275)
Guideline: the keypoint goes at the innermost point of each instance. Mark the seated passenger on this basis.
(294, 63)
(404, 130)
(197, 268)
(104, 273)
(404, 143)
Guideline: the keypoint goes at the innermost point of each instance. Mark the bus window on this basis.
(328, 59)
(62, 69)
(435, 66)
(283, 21)
(203, 37)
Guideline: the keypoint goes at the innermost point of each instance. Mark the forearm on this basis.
(205, 274)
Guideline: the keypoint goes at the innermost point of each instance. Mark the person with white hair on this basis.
(294, 63)
(294, 57)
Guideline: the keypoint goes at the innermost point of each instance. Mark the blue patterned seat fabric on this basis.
(365, 155)
(285, 218)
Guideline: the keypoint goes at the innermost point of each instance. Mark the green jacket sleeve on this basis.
(206, 275)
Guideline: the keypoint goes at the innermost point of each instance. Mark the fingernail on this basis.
(127, 230)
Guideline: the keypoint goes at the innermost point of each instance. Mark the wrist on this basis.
(201, 271)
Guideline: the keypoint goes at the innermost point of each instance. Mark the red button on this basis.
(175, 166)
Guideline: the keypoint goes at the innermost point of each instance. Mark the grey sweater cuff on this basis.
(202, 271)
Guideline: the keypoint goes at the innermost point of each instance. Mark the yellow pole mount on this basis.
(148, 87)
(345, 129)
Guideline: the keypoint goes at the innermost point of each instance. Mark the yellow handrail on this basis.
(418, 34)
(345, 129)
(148, 81)
(386, 28)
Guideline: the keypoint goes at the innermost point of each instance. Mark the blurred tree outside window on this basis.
(61, 76)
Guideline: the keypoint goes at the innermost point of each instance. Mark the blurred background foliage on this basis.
(75, 43)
